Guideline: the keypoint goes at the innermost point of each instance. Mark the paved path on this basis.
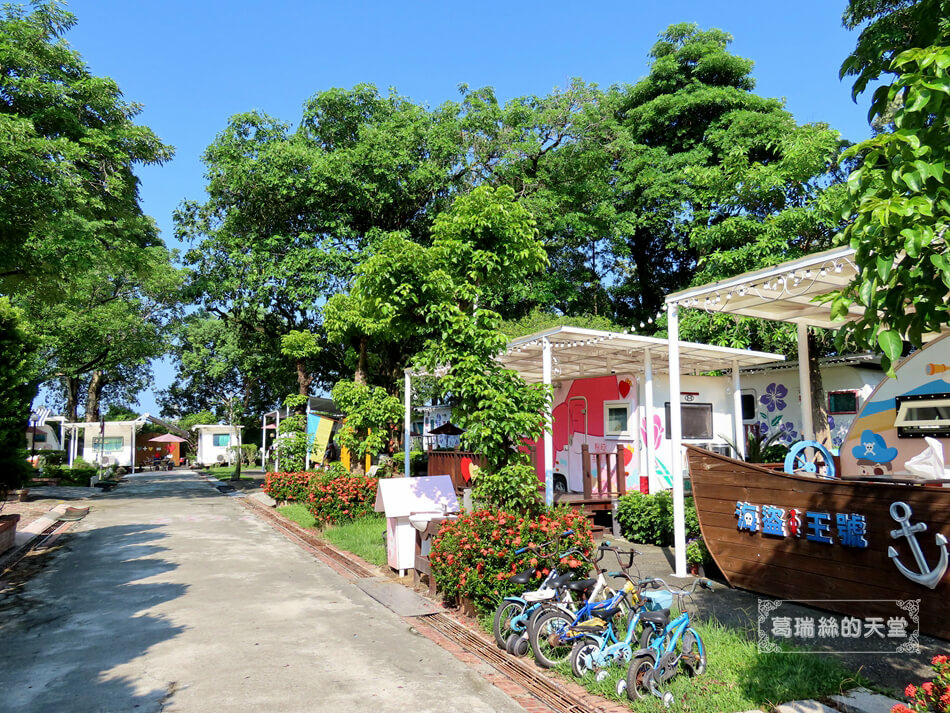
(171, 597)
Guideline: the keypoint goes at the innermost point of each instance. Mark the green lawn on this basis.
(738, 677)
(225, 472)
(363, 537)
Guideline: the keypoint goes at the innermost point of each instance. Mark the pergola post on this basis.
(264, 442)
(546, 371)
(648, 404)
(804, 384)
(738, 433)
(134, 430)
(407, 421)
(676, 437)
(276, 440)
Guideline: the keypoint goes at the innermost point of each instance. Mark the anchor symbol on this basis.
(926, 576)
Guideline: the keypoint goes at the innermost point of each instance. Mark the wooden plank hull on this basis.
(797, 568)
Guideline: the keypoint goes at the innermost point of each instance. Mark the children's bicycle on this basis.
(552, 635)
(512, 615)
(676, 644)
(600, 648)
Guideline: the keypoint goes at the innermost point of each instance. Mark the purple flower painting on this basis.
(773, 398)
(789, 434)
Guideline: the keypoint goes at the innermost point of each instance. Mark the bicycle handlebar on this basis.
(538, 548)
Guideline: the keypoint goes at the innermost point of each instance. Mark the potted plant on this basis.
(697, 555)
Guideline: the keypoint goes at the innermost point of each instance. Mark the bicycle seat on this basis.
(522, 577)
(661, 618)
(560, 580)
(581, 585)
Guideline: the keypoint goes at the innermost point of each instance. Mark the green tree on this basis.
(68, 148)
(290, 213)
(371, 422)
(900, 210)
(18, 371)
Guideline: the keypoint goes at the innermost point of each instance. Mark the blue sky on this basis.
(194, 63)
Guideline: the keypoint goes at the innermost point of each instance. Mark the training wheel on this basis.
(797, 461)
(601, 675)
(621, 687)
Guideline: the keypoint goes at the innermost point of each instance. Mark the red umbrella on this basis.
(167, 438)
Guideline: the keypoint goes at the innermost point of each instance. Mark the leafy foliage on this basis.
(288, 486)
(900, 211)
(291, 443)
(649, 518)
(18, 369)
(372, 418)
(68, 146)
(474, 555)
(513, 488)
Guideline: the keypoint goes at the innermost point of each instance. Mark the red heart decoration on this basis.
(627, 455)
(467, 470)
(624, 388)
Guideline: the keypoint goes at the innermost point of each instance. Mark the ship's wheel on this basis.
(797, 459)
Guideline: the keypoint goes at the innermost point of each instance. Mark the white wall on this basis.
(121, 457)
(779, 389)
(208, 452)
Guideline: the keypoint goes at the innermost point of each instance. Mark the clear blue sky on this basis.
(194, 63)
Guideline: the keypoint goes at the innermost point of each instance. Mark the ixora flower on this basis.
(773, 398)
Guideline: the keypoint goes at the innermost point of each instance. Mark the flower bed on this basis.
(473, 556)
(335, 498)
(288, 487)
(930, 695)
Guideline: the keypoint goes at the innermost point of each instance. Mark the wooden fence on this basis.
(454, 463)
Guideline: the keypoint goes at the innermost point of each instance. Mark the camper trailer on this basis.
(215, 442)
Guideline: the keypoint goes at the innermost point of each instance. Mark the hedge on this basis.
(649, 518)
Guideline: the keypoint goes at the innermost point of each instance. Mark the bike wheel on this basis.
(647, 635)
(501, 625)
(694, 654)
(638, 677)
(582, 656)
(547, 640)
(544, 609)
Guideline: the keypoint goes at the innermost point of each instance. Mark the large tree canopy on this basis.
(68, 147)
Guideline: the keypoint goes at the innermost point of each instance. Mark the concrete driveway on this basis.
(169, 597)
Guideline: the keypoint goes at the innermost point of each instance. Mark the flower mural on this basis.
(788, 432)
(774, 397)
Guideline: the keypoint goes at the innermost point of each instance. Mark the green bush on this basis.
(48, 458)
(513, 488)
(649, 518)
(341, 498)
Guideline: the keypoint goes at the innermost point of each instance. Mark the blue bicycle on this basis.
(600, 647)
(553, 633)
(676, 644)
(513, 613)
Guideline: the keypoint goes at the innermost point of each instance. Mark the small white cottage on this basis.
(104, 443)
(215, 442)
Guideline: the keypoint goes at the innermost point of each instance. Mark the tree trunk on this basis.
(819, 409)
(362, 370)
(236, 475)
(304, 378)
(72, 398)
(93, 393)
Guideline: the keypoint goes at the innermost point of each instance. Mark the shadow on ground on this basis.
(70, 615)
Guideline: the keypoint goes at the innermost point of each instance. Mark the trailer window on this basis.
(842, 402)
(922, 415)
(697, 420)
(219, 440)
(109, 444)
(616, 418)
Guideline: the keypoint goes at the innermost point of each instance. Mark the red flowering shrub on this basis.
(285, 487)
(931, 695)
(341, 497)
(474, 555)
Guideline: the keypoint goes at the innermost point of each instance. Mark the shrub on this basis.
(697, 552)
(930, 695)
(649, 518)
(288, 487)
(513, 487)
(341, 498)
(474, 555)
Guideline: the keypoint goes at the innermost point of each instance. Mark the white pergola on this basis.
(73, 428)
(787, 292)
(573, 352)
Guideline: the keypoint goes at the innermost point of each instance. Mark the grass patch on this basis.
(298, 513)
(738, 677)
(363, 537)
(226, 472)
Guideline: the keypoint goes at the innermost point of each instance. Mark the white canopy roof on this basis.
(784, 292)
(579, 352)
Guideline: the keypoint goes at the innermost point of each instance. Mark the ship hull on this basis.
(840, 575)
